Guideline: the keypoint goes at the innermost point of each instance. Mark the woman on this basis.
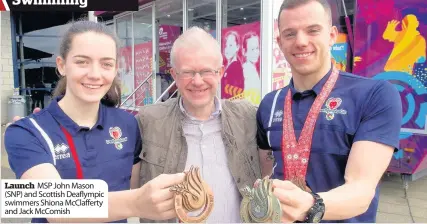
(232, 82)
(251, 53)
(82, 135)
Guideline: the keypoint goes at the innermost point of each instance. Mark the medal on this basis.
(191, 195)
(295, 153)
(259, 205)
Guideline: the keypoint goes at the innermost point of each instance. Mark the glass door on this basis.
(169, 23)
(136, 57)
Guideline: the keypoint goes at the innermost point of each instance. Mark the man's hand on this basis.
(155, 201)
(17, 118)
(294, 201)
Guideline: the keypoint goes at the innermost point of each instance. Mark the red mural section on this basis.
(241, 49)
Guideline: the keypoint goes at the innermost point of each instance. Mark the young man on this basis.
(331, 133)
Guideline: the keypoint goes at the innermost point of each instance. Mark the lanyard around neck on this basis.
(79, 170)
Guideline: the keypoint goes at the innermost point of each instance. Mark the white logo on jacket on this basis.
(278, 116)
(62, 151)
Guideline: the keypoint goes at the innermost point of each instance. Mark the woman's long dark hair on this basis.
(113, 96)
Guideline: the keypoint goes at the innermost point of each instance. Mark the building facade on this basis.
(7, 75)
(245, 30)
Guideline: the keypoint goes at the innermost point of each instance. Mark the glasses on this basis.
(189, 74)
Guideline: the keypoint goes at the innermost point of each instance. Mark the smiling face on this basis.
(231, 47)
(252, 49)
(89, 66)
(197, 92)
(305, 38)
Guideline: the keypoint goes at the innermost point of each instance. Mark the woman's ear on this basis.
(60, 63)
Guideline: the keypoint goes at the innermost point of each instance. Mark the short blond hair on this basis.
(196, 38)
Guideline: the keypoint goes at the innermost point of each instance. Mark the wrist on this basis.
(309, 202)
(316, 212)
(133, 205)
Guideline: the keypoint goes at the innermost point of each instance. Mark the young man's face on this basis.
(305, 37)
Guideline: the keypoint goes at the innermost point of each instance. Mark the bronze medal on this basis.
(191, 195)
(259, 205)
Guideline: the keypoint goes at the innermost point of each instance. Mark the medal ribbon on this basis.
(296, 154)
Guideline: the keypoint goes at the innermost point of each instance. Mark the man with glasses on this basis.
(198, 129)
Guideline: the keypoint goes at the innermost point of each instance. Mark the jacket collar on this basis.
(215, 114)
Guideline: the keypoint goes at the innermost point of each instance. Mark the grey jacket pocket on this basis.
(153, 161)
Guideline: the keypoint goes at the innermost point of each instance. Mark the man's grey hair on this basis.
(291, 4)
(193, 39)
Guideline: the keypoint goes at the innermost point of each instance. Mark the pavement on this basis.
(393, 207)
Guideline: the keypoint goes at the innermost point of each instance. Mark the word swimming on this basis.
(81, 3)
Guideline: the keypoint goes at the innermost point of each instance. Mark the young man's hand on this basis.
(17, 118)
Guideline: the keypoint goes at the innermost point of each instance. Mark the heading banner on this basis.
(68, 5)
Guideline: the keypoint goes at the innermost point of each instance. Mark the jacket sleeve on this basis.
(24, 149)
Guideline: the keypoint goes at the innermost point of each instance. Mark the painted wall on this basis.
(390, 43)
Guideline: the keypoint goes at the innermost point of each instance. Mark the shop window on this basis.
(342, 18)
(169, 22)
(241, 49)
(143, 56)
(202, 14)
(125, 72)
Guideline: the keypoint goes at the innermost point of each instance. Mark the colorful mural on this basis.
(241, 52)
(281, 69)
(340, 51)
(390, 44)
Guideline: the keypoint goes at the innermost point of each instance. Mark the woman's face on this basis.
(231, 47)
(252, 49)
(90, 66)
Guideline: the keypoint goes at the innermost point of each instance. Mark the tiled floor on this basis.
(393, 206)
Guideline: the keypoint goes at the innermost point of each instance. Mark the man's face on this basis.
(305, 37)
(197, 92)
